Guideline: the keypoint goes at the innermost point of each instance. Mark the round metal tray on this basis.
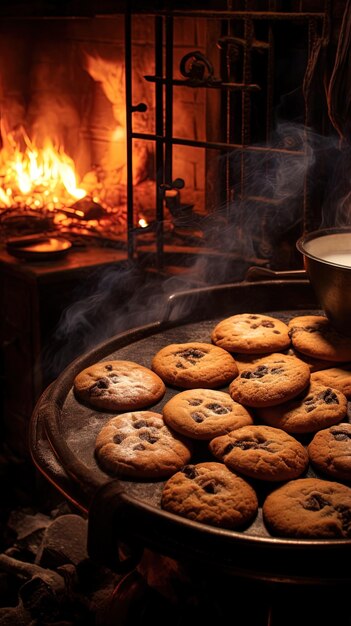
(63, 434)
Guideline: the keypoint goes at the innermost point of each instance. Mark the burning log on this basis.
(85, 209)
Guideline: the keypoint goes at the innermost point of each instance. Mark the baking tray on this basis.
(63, 433)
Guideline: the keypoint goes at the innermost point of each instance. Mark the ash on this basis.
(46, 575)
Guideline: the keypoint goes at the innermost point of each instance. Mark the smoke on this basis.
(250, 228)
(268, 198)
(108, 302)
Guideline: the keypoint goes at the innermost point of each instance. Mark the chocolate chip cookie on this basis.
(271, 380)
(140, 445)
(309, 508)
(251, 333)
(118, 386)
(316, 408)
(195, 364)
(211, 494)
(330, 451)
(314, 335)
(337, 377)
(261, 452)
(204, 413)
(244, 361)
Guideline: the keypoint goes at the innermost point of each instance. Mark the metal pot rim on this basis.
(319, 234)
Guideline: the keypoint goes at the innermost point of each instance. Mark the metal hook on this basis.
(195, 70)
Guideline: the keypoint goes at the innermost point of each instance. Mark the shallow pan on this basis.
(38, 248)
(128, 512)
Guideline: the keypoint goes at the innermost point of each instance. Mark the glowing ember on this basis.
(35, 177)
(143, 223)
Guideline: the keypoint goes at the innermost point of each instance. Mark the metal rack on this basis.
(239, 83)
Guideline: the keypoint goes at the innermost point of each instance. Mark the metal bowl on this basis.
(327, 260)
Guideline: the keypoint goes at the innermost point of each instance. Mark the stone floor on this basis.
(46, 575)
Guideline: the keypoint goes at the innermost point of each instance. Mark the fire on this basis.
(36, 177)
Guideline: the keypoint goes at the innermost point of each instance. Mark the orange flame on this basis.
(35, 177)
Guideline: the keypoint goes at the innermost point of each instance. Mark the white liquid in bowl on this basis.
(331, 248)
(341, 258)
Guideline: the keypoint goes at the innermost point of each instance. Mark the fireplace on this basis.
(66, 108)
(163, 132)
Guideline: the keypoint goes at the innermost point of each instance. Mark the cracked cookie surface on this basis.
(249, 333)
(139, 444)
(309, 507)
(330, 451)
(261, 452)
(271, 380)
(211, 494)
(316, 408)
(204, 413)
(118, 386)
(194, 364)
(314, 336)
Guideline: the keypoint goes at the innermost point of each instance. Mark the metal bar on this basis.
(247, 71)
(238, 15)
(159, 140)
(169, 100)
(217, 145)
(227, 106)
(311, 197)
(270, 87)
(259, 15)
(129, 132)
(245, 99)
(208, 84)
(240, 41)
(224, 73)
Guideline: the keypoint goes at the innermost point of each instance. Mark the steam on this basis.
(267, 207)
(249, 228)
(111, 301)
(344, 213)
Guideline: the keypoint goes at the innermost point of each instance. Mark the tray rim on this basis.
(48, 412)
